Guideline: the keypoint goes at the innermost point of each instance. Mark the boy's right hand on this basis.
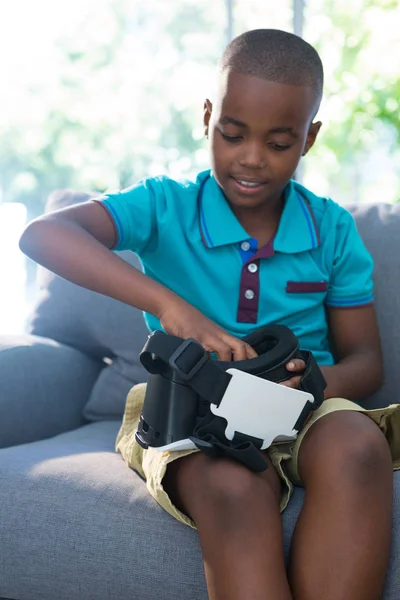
(185, 321)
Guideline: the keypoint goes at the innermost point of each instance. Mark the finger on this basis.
(221, 349)
(241, 350)
(296, 364)
(251, 353)
(293, 382)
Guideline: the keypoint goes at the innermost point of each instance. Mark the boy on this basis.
(241, 247)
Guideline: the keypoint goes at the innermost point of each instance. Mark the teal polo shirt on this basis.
(189, 240)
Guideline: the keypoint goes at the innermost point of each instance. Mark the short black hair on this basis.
(275, 55)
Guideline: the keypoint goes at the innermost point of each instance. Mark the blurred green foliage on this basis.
(124, 101)
(358, 43)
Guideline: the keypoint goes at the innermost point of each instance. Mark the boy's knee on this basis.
(228, 484)
(366, 458)
(346, 447)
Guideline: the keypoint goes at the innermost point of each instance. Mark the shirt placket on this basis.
(249, 291)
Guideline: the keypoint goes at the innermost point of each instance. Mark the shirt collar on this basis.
(297, 230)
(218, 224)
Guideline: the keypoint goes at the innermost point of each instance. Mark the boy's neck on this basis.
(260, 222)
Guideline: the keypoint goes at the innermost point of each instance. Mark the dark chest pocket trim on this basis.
(305, 287)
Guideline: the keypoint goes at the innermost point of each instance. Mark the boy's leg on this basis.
(237, 516)
(341, 544)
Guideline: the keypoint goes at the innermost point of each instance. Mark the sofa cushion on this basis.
(44, 387)
(75, 522)
(99, 326)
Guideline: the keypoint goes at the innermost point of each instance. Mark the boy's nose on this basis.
(252, 157)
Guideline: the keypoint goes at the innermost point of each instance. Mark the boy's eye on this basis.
(280, 147)
(231, 138)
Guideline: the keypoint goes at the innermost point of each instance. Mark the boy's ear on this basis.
(312, 136)
(207, 116)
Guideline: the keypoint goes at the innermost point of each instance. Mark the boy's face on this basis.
(258, 132)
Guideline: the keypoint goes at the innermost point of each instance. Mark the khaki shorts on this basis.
(152, 464)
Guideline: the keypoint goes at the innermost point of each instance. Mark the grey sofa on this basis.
(75, 522)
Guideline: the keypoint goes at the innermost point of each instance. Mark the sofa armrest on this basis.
(44, 387)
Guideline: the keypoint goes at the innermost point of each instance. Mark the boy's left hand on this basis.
(296, 365)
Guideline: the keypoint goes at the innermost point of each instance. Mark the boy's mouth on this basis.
(248, 186)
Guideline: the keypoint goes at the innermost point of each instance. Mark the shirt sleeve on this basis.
(136, 213)
(351, 281)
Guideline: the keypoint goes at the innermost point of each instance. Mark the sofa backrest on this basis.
(379, 227)
(115, 333)
(102, 327)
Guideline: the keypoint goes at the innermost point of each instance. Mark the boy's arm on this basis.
(75, 243)
(359, 370)
(355, 335)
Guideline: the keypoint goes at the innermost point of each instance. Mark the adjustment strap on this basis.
(189, 361)
(313, 382)
(209, 432)
(245, 453)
